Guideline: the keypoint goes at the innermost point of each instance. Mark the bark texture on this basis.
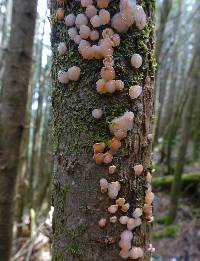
(14, 95)
(78, 203)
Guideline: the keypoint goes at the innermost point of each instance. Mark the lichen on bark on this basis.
(75, 131)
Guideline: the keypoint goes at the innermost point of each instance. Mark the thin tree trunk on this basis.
(14, 95)
(77, 200)
(185, 134)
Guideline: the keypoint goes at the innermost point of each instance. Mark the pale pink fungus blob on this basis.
(140, 17)
(70, 19)
(95, 21)
(62, 48)
(81, 19)
(74, 73)
(63, 76)
(91, 11)
(94, 35)
(137, 213)
(102, 222)
(113, 219)
(77, 39)
(136, 252)
(84, 31)
(104, 16)
(108, 73)
(112, 169)
(85, 3)
(110, 86)
(123, 220)
(113, 209)
(113, 189)
(135, 91)
(138, 169)
(136, 60)
(72, 32)
(103, 3)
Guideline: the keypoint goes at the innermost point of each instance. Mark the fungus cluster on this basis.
(85, 30)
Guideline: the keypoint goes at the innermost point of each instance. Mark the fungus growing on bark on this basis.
(97, 113)
(99, 147)
(113, 189)
(60, 14)
(125, 207)
(107, 158)
(95, 21)
(74, 73)
(104, 16)
(110, 86)
(99, 158)
(103, 3)
(90, 11)
(149, 177)
(123, 220)
(102, 222)
(70, 19)
(108, 73)
(63, 76)
(94, 35)
(77, 39)
(85, 3)
(113, 209)
(149, 196)
(124, 122)
(138, 169)
(112, 169)
(113, 219)
(81, 19)
(136, 252)
(140, 17)
(136, 60)
(62, 48)
(120, 202)
(84, 31)
(137, 213)
(104, 185)
(125, 242)
(135, 91)
(72, 32)
(133, 223)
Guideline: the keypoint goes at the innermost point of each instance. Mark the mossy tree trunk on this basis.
(15, 82)
(78, 203)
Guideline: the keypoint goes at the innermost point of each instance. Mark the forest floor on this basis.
(182, 239)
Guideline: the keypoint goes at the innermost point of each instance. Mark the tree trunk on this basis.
(14, 95)
(193, 82)
(77, 199)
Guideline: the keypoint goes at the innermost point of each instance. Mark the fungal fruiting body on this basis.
(123, 220)
(136, 252)
(124, 122)
(97, 113)
(63, 76)
(136, 60)
(113, 209)
(113, 189)
(103, 3)
(74, 73)
(102, 222)
(62, 48)
(135, 91)
(138, 169)
(113, 219)
(137, 213)
(112, 169)
(133, 223)
(140, 17)
(90, 11)
(60, 13)
(104, 185)
(70, 19)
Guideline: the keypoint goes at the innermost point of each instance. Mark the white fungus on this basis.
(135, 91)
(136, 60)
(97, 113)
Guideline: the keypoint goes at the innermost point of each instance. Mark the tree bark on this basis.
(77, 199)
(14, 95)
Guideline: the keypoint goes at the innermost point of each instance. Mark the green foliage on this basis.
(168, 231)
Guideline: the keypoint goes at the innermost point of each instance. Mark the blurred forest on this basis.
(176, 141)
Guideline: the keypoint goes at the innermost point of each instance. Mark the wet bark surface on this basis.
(77, 199)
